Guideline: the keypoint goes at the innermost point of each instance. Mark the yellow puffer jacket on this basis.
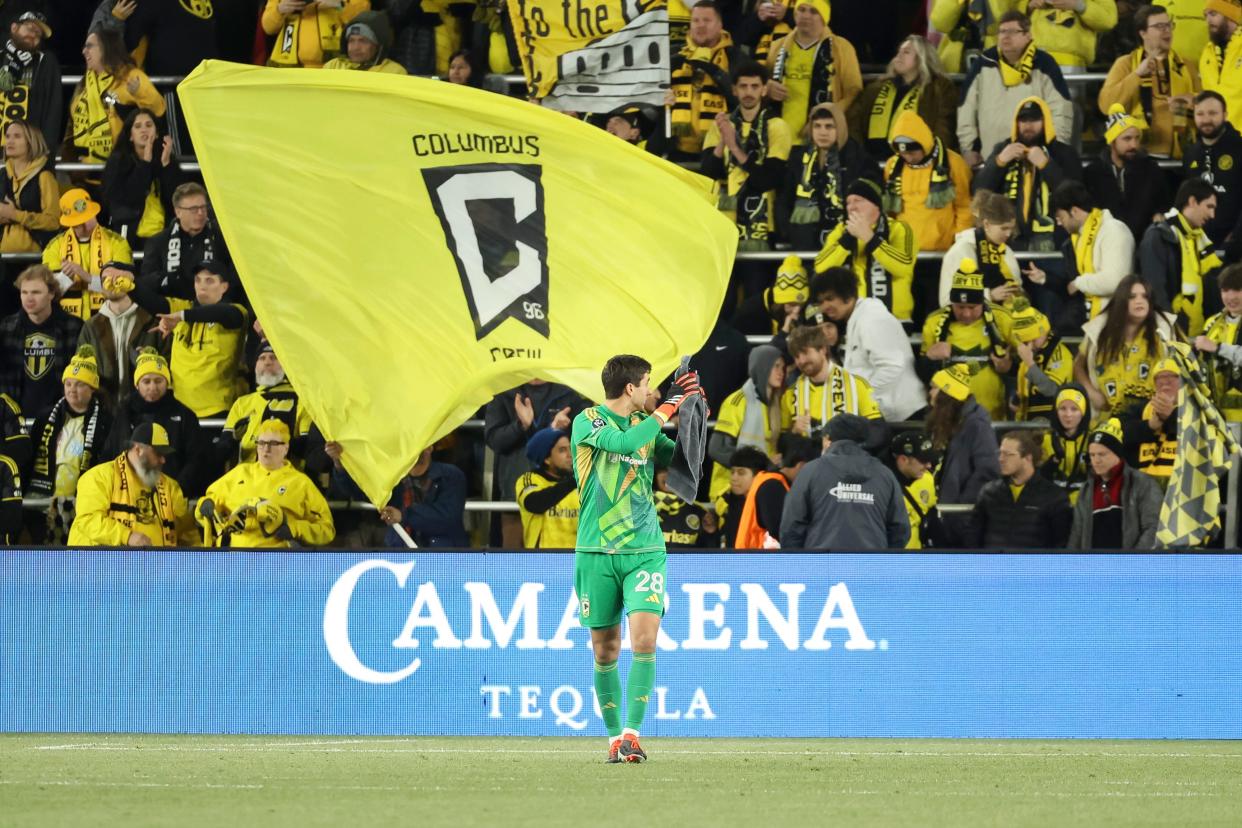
(302, 508)
(1070, 36)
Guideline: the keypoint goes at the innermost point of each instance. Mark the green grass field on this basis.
(237, 781)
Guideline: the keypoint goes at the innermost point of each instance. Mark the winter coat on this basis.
(1134, 193)
(1220, 164)
(503, 432)
(937, 107)
(878, 350)
(985, 116)
(1038, 519)
(846, 500)
(970, 458)
(1140, 512)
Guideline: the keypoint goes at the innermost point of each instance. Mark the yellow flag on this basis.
(593, 55)
(413, 247)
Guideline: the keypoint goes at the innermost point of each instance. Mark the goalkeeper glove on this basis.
(684, 388)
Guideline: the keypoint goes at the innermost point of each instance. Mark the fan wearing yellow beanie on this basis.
(810, 66)
(1045, 363)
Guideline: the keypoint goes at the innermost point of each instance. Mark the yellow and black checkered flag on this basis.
(1190, 515)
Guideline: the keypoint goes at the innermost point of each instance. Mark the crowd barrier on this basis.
(788, 644)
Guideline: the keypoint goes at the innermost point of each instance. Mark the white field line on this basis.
(406, 789)
(372, 741)
(331, 747)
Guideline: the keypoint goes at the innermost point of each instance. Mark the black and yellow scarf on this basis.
(940, 192)
(997, 345)
(703, 76)
(818, 199)
(991, 261)
(1197, 259)
(823, 69)
(737, 196)
(1027, 190)
(330, 24)
(1014, 75)
(1083, 244)
(890, 102)
(88, 114)
(44, 477)
(143, 508)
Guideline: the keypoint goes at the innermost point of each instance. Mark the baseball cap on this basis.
(153, 435)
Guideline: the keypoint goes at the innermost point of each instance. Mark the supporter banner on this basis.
(593, 55)
(414, 247)
(1131, 646)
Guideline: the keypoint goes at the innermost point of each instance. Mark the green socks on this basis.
(608, 691)
(638, 691)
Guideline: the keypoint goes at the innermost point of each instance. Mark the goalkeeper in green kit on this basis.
(619, 558)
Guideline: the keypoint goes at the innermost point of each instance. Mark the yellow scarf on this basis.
(1168, 81)
(92, 130)
(887, 107)
(1012, 76)
(697, 96)
(286, 51)
(1197, 259)
(149, 511)
(1084, 256)
(91, 256)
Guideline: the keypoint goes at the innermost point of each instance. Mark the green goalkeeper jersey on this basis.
(614, 464)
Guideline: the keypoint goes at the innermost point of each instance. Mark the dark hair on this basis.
(708, 4)
(1211, 95)
(123, 148)
(839, 281)
(806, 338)
(1113, 335)
(944, 419)
(795, 449)
(1231, 277)
(1027, 446)
(476, 77)
(1070, 194)
(1015, 16)
(112, 53)
(1144, 12)
(749, 457)
(623, 370)
(216, 268)
(1195, 188)
(751, 69)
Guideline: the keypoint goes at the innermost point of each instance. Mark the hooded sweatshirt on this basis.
(812, 198)
(934, 197)
(1028, 187)
(745, 418)
(378, 23)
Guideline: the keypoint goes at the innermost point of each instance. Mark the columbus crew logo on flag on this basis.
(493, 221)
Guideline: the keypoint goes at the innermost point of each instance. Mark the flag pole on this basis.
(400, 530)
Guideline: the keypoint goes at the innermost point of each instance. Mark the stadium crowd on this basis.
(878, 379)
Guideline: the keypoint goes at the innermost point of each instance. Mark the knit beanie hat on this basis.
(1073, 393)
(1118, 122)
(954, 381)
(1029, 324)
(1167, 364)
(791, 283)
(82, 367)
(1110, 436)
(1232, 9)
(868, 189)
(821, 6)
(150, 362)
(967, 288)
(540, 444)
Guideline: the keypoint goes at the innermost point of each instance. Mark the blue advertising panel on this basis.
(1141, 646)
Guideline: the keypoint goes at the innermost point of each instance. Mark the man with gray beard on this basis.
(131, 502)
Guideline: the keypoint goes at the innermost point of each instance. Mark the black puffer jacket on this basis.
(1039, 519)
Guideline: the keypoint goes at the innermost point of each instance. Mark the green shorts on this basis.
(606, 584)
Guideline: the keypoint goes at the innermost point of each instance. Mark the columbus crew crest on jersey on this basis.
(40, 352)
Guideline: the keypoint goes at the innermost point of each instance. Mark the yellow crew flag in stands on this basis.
(593, 55)
(1190, 515)
(414, 247)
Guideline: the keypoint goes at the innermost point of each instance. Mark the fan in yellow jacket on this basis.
(880, 250)
(1155, 85)
(811, 66)
(79, 254)
(307, 34)
(366, 40)
(926, 184)
(266, 504)
(1069, 35)
(1220, 65)
(130, 501)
